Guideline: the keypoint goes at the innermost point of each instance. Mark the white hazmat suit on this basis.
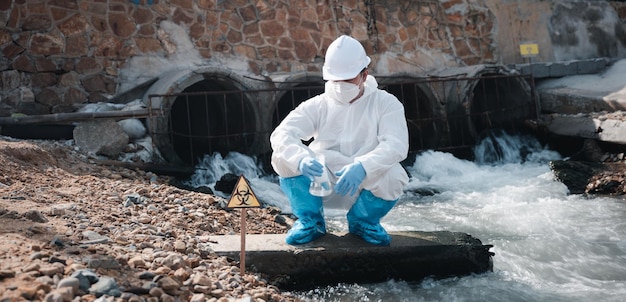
(362, 134)
(371, 130)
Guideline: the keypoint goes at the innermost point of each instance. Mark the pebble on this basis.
(72, 282)
(6, 274)
(105, 286)
(60, 294)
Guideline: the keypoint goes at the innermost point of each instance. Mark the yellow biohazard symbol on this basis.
(242, 196)
(529, 49)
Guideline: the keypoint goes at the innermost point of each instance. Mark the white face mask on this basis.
(344, 92)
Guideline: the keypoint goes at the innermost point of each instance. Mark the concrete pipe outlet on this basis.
(479, 99)
(203, 112)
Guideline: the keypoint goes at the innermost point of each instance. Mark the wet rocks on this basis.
(592, 170)
(575, 174)
(610, 181)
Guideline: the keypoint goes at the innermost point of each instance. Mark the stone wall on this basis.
(60, 54)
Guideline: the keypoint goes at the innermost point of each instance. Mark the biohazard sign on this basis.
(242, 196)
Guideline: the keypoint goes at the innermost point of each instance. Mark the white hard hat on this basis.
(345, 58)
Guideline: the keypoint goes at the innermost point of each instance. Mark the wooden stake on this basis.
(242, 254)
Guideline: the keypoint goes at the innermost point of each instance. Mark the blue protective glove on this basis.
(310, 167)
(350, 178)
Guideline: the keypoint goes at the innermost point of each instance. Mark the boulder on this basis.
(103, 137)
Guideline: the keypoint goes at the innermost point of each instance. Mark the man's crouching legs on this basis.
(364, 218)
(308, 208)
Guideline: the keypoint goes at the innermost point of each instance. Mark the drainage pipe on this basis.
(482, 97)
(198, 122)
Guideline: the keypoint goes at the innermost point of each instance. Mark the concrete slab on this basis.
(607, 127)
(345, 258)
(567, 100)
(562, 69)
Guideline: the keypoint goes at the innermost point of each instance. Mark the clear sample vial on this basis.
(321, 185)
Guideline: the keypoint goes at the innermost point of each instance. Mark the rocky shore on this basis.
(73, 230)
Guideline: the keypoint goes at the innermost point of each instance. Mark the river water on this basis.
(548, 245)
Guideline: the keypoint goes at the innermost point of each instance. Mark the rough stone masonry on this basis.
(57, 55)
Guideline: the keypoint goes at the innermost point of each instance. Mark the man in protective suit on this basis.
(362, 133)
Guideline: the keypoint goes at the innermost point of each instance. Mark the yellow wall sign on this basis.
(529, 49)
(242, 196)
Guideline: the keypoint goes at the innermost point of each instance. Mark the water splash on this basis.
(499, 147)
(265, 186)
(212, 167)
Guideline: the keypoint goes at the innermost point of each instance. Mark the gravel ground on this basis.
(74, 230)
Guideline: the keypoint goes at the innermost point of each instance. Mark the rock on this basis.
(86, 278)
(174, 261)
(168, 284)
(31, 267)
(57, 210)
(10, 214)
(104, 137)
(202, 289)
(227, 183)
(182, 273)
(201, 279)
(217, 293)
(146, 275)
(156, 292)
(51, 270)
(6, 274)
(35, 216)
(137, 262)
(136, 199)
(180, 246)
(102, 262)
(57, 242)
(28, 292)
(55, 259)
(198, 298)
(72, 282)
(582, 177)
(590, 152)
(105, 286)
(64, 294)
(38, 255)
(91, 235)
(575, 174)
(167, 298)
(45, 280)
(145, 218)
(138, 290)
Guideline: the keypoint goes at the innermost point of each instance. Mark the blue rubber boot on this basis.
(308, 208)
(364, 218)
